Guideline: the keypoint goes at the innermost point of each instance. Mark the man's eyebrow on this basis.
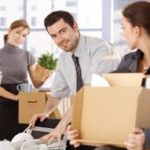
(52, 35)
(58, 31)
(62, 29)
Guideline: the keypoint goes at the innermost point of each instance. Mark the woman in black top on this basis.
(14, 64)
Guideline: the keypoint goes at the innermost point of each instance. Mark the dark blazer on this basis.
(129, 62)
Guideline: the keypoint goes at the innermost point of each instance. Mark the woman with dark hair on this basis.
(136, 30)
(14, 64)
(136, 25)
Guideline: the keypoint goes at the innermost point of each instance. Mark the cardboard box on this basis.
(106, 115)
(30, 103)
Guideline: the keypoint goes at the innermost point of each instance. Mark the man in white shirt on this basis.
(94, 56)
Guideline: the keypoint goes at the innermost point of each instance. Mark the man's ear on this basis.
(75, 26)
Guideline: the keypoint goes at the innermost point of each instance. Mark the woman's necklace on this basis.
(145, 68)
(145, 64)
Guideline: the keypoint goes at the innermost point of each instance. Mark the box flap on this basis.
(143, 119)
(77, 101)
(124, 79)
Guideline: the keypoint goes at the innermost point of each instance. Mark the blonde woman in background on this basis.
(15, 63)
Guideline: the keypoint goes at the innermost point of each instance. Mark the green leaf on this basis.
(48, 61)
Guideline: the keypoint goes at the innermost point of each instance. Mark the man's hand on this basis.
(135, 140)
(51, 105)
(40, 116)
(72, 136)
(55, 134)
(59, 130)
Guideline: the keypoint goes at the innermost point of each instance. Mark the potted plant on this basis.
(47, 61)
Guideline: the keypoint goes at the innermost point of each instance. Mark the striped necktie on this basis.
(78, 72)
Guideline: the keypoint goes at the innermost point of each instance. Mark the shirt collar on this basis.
(80, 50)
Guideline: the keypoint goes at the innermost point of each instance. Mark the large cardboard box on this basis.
(106, 115)
(30, 103)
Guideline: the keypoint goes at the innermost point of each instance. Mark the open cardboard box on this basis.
(106, 115)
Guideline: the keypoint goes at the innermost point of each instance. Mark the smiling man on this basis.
(65, 36)
(82, 56)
